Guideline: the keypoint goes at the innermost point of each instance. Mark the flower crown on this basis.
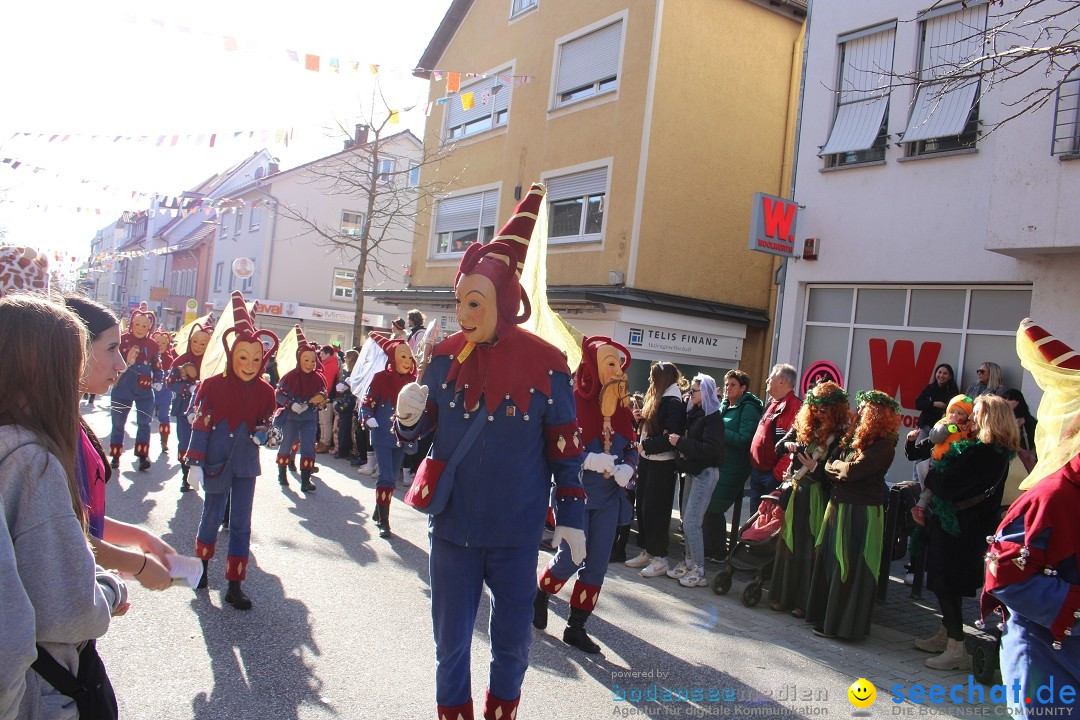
(836, 397)
(876, 397)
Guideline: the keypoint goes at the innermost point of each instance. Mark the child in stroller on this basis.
(754, 550)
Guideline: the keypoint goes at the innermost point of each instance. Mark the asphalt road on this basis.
(341, 625)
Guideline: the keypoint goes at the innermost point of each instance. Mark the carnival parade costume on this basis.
(162, 393)
(377, 413)
(847, 555)
(1032, 573)
(608, 437)
(229, 412)
(300, 392)
(136, 387)
(182, 380)
(517, 386)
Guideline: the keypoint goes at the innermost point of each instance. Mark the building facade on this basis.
(934, 236)
(652, 126)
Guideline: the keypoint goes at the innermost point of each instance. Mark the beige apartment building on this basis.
(652, 124)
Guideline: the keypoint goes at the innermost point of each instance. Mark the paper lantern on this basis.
(243, 267)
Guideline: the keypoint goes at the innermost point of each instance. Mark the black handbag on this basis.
(90, 689)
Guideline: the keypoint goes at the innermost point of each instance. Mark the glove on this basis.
(195, 477)
(600, 463)
(298, 407)
(341, 387)
(623, 474)
(575, 540)
(411, 402)
(157, 387)
(372, 423)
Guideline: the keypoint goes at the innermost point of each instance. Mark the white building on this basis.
(934, 237)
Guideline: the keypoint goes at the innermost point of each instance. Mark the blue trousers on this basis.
(183, 435)
(389, 459)
(458, 575)
(302, 429)
(162, 404)
(599, 534)
(144, 410)
(243, 493)
(762, 482)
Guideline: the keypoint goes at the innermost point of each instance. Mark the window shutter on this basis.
(864, 92)
(496, 102)
(459, 213)
(591, 182)
(491, 209)
(589, 58)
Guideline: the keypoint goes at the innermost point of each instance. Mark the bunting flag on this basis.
(453, 82)
(203, 139)
(394, 117)
(286, 352)
(467, 101)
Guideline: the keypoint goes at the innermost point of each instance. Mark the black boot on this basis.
(236, 597)
(618, 548)
(203, 581)
(282, 478)
(575, 634)
(305, 481)
(384, 520)
(184, 486)
(115, 463)
(144, 463)
(540, 608)
(292, 464)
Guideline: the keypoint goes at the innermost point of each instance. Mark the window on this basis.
(588, 65)
(256, 219)
(490, 98)
(414, 175)
(219, 270)
(239, 221)
(860, 128)
(519, 6)
(387, 168)
(946, 112)
(224, 224)
(1067, 117)
(343, 288)
(463, 220)
(352, 223)
(576, 206)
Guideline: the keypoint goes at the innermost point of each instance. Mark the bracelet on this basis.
(143, 565)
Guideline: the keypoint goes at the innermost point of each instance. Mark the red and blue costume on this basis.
(136, 387)
(226, 411)
(182, 381)
(162, 392)
(607, 428)
(300, 392)
(377, 413)
(518, 386)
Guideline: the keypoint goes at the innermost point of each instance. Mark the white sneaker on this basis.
(679, 570)
(640, 561)
(656, 568)
(694, 578)
(909, 579)
(369, 469)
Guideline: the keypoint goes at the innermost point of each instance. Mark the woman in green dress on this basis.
(821, 423)
(848, 548)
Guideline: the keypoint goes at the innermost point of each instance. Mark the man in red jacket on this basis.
(331, 371)
(765, 469)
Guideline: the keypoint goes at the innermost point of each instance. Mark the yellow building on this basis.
(652, 123)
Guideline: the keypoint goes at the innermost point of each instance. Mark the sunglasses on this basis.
(980, 371)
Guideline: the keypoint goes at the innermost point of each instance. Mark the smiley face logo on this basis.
(862, 693)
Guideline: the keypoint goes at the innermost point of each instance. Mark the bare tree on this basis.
(1022, 38)
(389, 200)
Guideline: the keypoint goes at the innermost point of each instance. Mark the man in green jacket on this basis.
(741, 410)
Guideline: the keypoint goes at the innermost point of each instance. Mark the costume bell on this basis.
(162, 392)
(301, 392)
(607, 434)
(229, 412)
(136, 387)
(517, 387)
(377, 414)
(182, 380)
(1032, 577)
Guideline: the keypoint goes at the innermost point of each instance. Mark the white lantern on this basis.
(243, 267)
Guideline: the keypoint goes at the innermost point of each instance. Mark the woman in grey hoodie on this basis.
(49, 594)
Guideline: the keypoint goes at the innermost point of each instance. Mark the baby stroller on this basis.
(754, 550)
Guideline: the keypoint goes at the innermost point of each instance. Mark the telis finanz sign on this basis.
(772, 225)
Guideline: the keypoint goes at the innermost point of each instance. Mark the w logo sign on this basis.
(772, 225)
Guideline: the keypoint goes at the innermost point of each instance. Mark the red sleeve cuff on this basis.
(563, 441)
(1068, 615)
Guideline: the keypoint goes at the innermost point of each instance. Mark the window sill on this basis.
(591, 242)
(524, 12)
(947, 153)
(476, 137)
(1068, 157)
(584, 103)
(852, 166)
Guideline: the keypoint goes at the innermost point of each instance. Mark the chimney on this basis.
(360, 136)
(272, 168)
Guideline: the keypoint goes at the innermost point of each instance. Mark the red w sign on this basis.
(901, 371)
(772, 225)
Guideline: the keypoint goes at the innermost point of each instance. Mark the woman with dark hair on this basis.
(848, 548)
(664, 414)
(935, 396)
(117, 545)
